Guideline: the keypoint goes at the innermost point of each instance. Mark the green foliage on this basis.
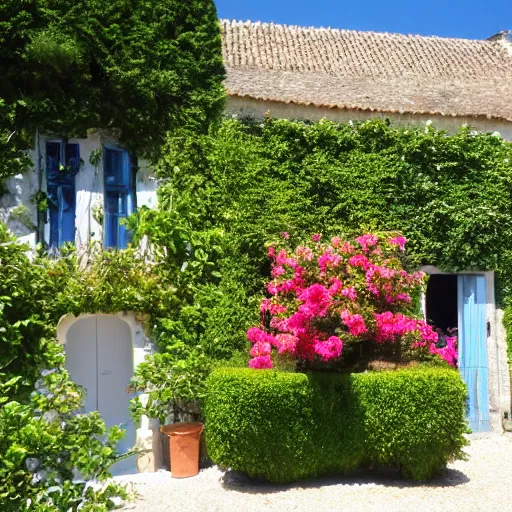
(288, 426)
(201, 269)
(25, 335)
(48, 451)
(44, 423)
(141, 67)
(174, 379)
(507, 322)
(450, 195)
(99, 281)
(12, 161)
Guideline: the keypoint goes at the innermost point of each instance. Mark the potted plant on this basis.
(172, 384)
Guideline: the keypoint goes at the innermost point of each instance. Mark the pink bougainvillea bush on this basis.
(324, 296)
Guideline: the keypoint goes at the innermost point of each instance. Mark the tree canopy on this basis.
(141, 67)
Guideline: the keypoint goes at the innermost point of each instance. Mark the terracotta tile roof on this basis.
(368, 70)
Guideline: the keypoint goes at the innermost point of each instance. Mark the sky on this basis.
(471, 19)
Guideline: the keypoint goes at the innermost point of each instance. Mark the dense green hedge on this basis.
(450, 195)
(289, 426)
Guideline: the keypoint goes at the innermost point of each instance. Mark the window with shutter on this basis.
(62, 164)
(118, 196)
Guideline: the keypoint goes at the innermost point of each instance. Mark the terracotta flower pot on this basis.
(184, 448)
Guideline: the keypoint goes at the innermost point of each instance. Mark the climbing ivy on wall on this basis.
(141, 68)
(451, 196)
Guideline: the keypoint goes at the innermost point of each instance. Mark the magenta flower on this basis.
(261, 362)
(335, 287)
(400, 241)
(347, 248)
(286, 343)
(359, 260)
(278, 271)
(449, 352)
(316, 301)
(355, 323)
(261, 348)
(272, 288)
(304, 252)
(367, 241)
(330, 349)
(277, 309)
(285, 235)
(350, 293)
(296, 324)
(327, 259)
(306, 306)
(264, 306)
(256, 335)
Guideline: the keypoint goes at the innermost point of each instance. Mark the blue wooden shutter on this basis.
(118, 196)
(62, 164)
(472, 335)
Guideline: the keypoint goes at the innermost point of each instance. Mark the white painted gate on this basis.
(99, 357)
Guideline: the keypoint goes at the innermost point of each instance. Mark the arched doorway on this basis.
(99, 357)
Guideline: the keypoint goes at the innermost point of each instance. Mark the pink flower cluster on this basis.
(327, 294)
(392, 326)
(355, 323)
(448, 353)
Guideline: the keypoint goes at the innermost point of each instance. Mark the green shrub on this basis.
(289, 426)
(52, 457)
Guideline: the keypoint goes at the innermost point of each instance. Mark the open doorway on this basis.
(441, 302)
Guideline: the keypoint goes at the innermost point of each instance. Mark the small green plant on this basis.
(174, 381)
(52, 457)
(289, 426)
(21, 214)
(96, 157)
(40, 199)
(98, 213)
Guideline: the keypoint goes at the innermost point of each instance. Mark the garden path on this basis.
(479, 484)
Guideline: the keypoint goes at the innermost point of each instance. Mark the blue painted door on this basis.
(473, 348)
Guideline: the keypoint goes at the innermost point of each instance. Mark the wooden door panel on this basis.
(473, 363)
(115, 369)
(81, 359)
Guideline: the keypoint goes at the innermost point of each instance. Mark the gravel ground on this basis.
(483, 483)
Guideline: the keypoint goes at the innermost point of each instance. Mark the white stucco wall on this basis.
(259, 109)
(16, 207)
(146, 186)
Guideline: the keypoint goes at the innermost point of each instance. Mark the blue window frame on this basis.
(118, 196)
(62, 165)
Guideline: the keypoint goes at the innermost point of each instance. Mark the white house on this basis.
(285, 72)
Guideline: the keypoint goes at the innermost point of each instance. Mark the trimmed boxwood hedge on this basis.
(285, 427)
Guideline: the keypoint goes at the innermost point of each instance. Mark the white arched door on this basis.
(99, 357)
